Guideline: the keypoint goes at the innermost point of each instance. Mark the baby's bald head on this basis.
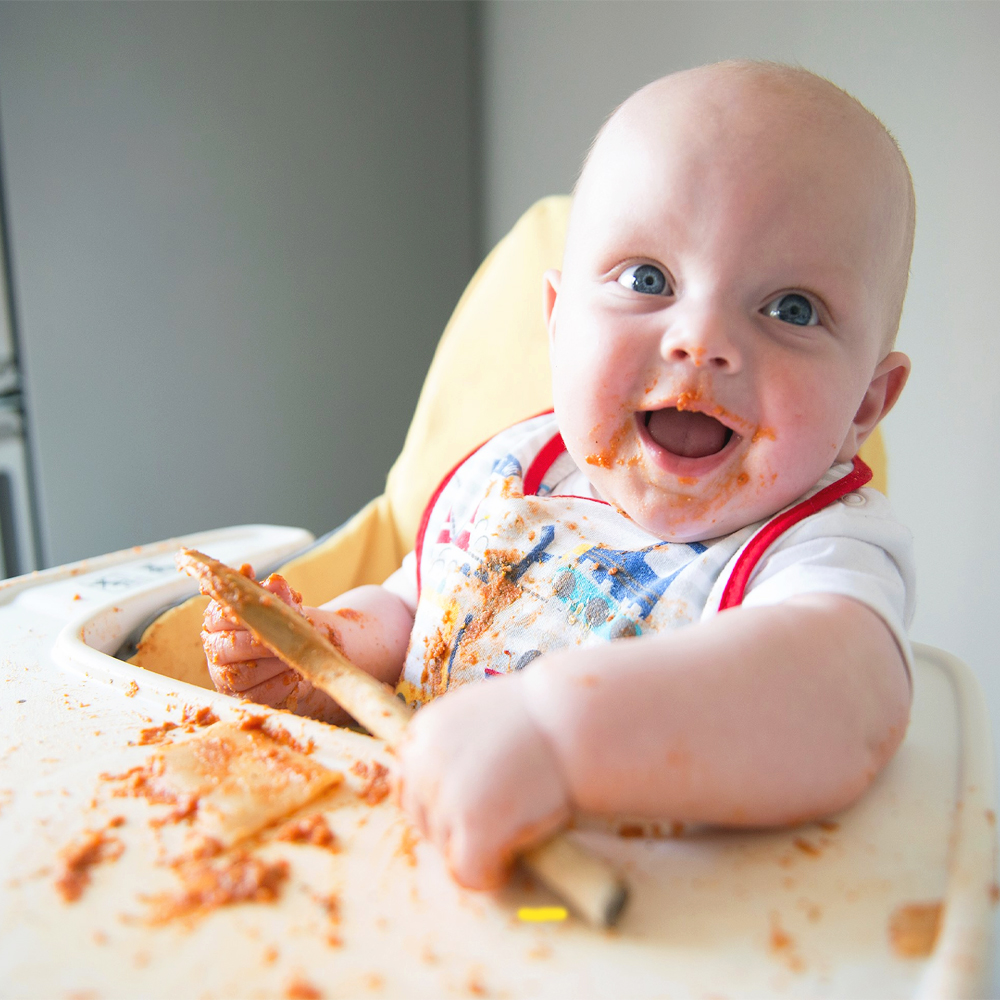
(760, 122)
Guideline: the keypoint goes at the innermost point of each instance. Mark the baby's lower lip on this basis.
(681, 465)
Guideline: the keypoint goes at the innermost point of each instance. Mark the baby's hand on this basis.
(480, 779)
(243, 667)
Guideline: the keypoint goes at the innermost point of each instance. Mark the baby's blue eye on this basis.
(792, 308)
(645, 278)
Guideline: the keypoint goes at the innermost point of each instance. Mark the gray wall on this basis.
(931, 71)
(237, 232)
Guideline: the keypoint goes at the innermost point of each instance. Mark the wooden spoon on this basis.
(588, 883)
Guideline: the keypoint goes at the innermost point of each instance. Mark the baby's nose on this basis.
(704, 341)
(698, 356)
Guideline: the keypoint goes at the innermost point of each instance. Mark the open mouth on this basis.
(687, 433)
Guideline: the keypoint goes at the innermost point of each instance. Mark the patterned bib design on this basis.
(506, 577)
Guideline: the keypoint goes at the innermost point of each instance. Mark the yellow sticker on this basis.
(542, 914)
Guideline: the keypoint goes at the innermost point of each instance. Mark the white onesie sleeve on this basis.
(854, 547)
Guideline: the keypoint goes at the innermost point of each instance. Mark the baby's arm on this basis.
(370, 624)
(759, 716)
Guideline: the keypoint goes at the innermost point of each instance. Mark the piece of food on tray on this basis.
(236, 781)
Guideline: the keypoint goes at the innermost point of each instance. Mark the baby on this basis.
(721, 339)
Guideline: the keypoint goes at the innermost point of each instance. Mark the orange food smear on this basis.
(608, 455)
(407, 843)
(312, 830)
(202, 717)
(302, 989)
(208, 885)
(331, 906)
(97, 848)
(497, 593)
(155, 734)
(783, 945)
(685, 399)
(280, 735)
(350, 614)
(913, 928)
(376, 777)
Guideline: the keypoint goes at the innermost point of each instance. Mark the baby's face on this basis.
(719, 329)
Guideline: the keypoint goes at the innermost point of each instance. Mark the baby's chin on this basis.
(685, 514)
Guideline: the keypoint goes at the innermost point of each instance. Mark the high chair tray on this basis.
(891, 898)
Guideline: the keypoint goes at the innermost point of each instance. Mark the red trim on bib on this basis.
(758, 545)
(426, 516)
(748, 559)
(541, 464)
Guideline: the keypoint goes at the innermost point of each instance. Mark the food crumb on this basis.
(97, 848)
(376, 787)
(202, 717)
(207, 885)
(474, 984)
(913, 928)
(407, 843)
(154, 734)
(783, 946)
(131, 690)
(302, 989)
(270, 956)
(276, 733)
(806, 847)
(312, 830)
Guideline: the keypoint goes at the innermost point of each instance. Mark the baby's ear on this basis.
(550, 293)
(887, 383)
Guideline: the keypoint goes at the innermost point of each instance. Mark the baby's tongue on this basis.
(687, 433)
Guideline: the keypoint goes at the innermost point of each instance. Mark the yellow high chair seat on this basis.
(490, 370)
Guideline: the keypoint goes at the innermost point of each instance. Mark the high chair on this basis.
(893, 897)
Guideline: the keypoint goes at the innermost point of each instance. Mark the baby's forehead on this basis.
(739, 110)
(747, 138)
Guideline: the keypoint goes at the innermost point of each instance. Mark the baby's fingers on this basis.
(275, 690)
(233, 646)
(278, 586)
(218, 618)
(245, 678)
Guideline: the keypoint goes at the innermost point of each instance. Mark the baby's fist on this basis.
(480, 779)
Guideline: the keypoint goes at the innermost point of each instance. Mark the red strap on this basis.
(541, 464)
(426, 516)
(732, 596)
